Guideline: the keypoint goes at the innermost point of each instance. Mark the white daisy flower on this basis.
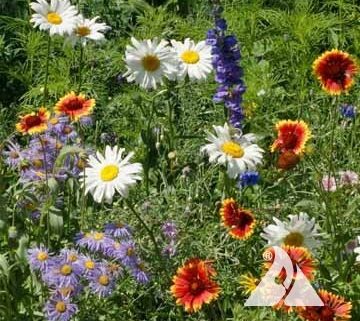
(300, 230)
(357, 250)
(59, 17)
(148, 61)
(238, 152)
(107, 174)
(87, 29)
(194, 59)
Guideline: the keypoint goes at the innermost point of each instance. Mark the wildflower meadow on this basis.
(157, 156)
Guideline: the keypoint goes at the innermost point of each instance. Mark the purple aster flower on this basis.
(138, 272)
(93, 241)
(72, 256)
(348, 111)
(59, 308)
(39, 259)
(68, 291)
(169, 250)
(63, 273)
(68, 134)
(102, 281)
(86, 121)
(249, 178)
(119, 230)
(169, 230)
(13, 155)
(112, 249)
(89, 265)
(56, 124)
(127, 253)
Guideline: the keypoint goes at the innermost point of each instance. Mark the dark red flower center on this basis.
(336, 70)
(290, 140)
(196, 287)
(74, 104)
(32, 121)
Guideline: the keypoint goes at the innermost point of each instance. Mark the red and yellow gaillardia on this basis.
(239, 221)
(193, 285)
(292, 136)
(33, 123)
(335, 70)
(74, 106)
(335, 308)
(299, 256)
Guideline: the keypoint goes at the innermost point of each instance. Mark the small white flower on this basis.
(148, 61)
(106, 175)
(59, 17)
(357, 250)
(87, 29)
(194, 59)
(238, 152)
(300, 230)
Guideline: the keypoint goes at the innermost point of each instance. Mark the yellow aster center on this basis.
(90, 265)
(104, 280)
(294, 239)
(130, 251)
(150, 63)
(190, 57)
(60, 307)
(73, 257)
(38, 163)
(66, 269)
(233, 149)
(54, 18)
(98, 236)
(109, 173)
(83, 31)
(42, 256)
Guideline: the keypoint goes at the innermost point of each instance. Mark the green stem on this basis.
(148, 147)
(45, 97)
(47, 193)
(149, 231)
(81, 58)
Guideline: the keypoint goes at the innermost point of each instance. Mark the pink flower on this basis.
(348, 178)
(328, 183)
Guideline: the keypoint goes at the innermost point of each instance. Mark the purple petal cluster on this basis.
(170, 232)
(228, 72)
(36, 161)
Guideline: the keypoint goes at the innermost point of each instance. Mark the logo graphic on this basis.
(295, 291)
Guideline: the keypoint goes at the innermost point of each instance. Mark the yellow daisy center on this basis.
(60, 306)
(233, 149)
(90, 265)
(150, 63)
(42, 256)
(104, 280)
(54, 18)
(66, 269)
(83, 31)
(294, 239)
(109, 173)
(98, 236)
(190, 57)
